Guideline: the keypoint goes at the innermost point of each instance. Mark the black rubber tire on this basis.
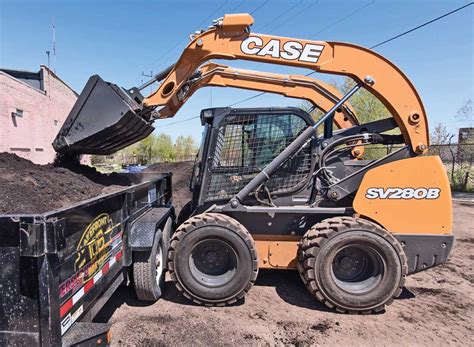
(324, 241)
(212, 227)
(184, 214)
(147, 286)
(166, 238)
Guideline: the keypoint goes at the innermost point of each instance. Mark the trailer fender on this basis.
(152, 224)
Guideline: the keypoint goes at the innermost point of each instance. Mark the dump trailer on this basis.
(354, 208)
(60, 268)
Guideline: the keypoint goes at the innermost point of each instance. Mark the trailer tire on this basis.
(213, 259)
(149, 271)
(352, 265)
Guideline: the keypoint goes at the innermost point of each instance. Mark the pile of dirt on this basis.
(30, 188)
(182, 172)
(26, 187)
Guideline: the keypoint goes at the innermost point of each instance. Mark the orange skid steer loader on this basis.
(272, 187)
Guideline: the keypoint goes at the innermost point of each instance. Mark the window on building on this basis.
(18, 113)
(55, 122)
(39, 149)
(20, 149)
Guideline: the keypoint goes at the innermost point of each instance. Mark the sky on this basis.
(122, 40)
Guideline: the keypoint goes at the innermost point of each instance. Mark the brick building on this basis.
(466, 136)
(33, 107)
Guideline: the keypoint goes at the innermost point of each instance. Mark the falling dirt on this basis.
(434, 309)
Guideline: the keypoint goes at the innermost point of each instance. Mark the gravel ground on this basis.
(434, 309)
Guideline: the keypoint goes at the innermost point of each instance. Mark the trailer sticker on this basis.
(90, 270)
(66, 324)
(93, 244)
(66, 307)
(70, 319)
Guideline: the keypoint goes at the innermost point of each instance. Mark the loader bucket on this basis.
(104, 119)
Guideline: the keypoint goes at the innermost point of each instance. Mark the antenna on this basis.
(150, 75)
(54, 45)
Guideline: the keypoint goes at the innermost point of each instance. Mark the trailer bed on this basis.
(60, 267)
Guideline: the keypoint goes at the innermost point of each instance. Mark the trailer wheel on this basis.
(352, 265)
(149, 272)
(213, 259)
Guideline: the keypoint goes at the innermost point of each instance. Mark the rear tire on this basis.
(149, 272)
(352, 265)
(213, 259)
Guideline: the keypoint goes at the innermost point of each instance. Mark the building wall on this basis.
(44, 112)
(466, 136)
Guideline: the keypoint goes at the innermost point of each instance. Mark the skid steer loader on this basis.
(272, 187)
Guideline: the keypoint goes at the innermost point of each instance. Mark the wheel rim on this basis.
(357, 269)
(213, 262)
(159, 263)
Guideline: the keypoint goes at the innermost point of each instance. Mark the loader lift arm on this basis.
(323, 96)
(230, 38)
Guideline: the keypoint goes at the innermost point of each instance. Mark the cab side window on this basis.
(246, 144)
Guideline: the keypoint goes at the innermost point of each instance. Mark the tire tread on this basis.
(206, 219)
(310, 245)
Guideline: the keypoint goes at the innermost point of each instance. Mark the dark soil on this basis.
(27, 188)
(30, 188)
(182, 172)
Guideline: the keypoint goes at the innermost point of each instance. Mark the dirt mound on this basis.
(182, 172)
(30, 188)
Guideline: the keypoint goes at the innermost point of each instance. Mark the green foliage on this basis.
(154, 148)
(163, 147)
(367, 108)
(184, 147)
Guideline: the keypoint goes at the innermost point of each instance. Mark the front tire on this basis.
(352, 265)
(213, 259)
(149, 272)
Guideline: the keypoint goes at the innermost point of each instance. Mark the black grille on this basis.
(246, 144)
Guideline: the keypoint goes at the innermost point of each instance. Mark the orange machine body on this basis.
(411, 196)
(231, 39)
(322, 95)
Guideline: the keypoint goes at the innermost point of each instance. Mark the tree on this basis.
(147, 148)
(367, 108)
(164, 147)
(185, 147)
(439, 135)
(464, 114)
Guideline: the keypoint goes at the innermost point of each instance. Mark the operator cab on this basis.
(238, 143)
